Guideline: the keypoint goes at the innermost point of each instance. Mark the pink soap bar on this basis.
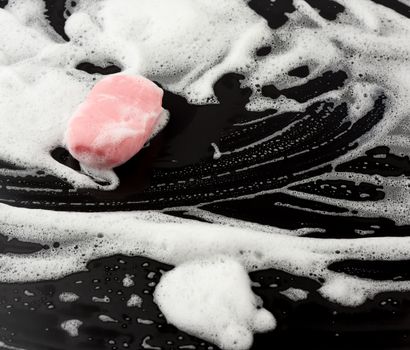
(115, 121)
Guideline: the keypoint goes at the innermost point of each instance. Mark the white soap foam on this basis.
(142, 321)
(106, 318)
(68, 297)
(146, 345)
(146, 40)
(104, 299)
(177, 241)
(22, 41)
(178, 49)
(295, 294)
(187, 52)
(41, 120)
(212, 299)
(128, 281)
(134, 301)
(72, 327)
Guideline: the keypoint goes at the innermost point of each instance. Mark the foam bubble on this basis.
(134, 301)
(295, 294)
(105, 299)
(72, 327)
(221, 309)
(68, 297)
(128, 281)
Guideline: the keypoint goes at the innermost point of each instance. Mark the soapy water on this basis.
(314, 100)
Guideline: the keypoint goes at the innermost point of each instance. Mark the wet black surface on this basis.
(30, 314)
(169, 173)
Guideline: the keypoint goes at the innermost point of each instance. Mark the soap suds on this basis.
(68, 297)
(142, 321)
(146, 345)
(72, 327)
(186, 53)
(105, 299)
(295, 294)
(368, 41)
(176, 241)
(128, 281)
(212, 299)
(134, 301)
(106, 318)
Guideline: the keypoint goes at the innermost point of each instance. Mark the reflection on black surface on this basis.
(91, 68)
(314, 88)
